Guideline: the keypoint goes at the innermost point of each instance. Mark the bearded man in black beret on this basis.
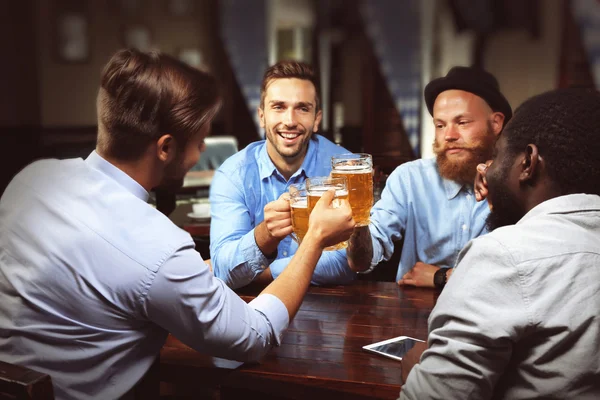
(430, 204)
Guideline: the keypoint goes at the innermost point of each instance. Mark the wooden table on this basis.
(321, 356)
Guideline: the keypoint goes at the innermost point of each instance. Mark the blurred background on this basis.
(373, 59)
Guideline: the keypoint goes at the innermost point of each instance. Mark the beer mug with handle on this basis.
(317, 186)
(358, 170)
(299, 211)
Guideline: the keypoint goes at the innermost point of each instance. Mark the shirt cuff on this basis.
(278, 267)
(275, 311)
(257, 261)
(377, 254)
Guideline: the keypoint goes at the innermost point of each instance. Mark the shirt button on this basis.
(464, 227)
(285, 253)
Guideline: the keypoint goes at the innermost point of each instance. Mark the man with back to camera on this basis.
(250, 209)
(429, 203)
(92, 278)
(519, 318)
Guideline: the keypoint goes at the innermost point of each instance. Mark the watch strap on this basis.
(439, 278)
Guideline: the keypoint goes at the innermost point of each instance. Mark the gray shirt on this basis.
(520, 316)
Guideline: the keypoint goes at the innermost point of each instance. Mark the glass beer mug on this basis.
(317, 186)
(358, 170)
(299, 211)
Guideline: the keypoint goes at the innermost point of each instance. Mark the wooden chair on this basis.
(20, 383)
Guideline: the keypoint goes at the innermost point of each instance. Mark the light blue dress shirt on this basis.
(240, 190)
(92, 279)
(435, 216)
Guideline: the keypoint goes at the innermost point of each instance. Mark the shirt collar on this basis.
(565, 204)
(267, 168)
(453, 188)
(95, 161)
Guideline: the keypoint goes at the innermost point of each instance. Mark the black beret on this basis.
(472, 80)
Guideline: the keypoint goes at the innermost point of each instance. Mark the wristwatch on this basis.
(439, 279)
(368, 270)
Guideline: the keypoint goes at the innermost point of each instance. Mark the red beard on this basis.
(463, 170)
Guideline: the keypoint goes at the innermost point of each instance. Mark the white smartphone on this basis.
(394, 348)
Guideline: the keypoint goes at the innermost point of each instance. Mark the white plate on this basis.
(199, 217)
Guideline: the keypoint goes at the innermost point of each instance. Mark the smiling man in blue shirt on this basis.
(430, 202)
(250, 212)
(93, 278)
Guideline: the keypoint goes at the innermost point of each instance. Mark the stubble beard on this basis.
(174, 175)
(283, 151)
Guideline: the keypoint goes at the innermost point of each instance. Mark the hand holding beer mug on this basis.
(317, 186)
(299, 209)
(358, 170)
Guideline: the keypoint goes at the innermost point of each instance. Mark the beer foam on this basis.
(352, 169)
(319, 190)
(300, 203)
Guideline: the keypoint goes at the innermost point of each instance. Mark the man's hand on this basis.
(278, 217)
(276, 225)
(331, 225)
(421, 275)
(360, 249)
(480, 187)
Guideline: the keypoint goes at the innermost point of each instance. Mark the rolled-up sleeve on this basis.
(477, 319)
(389, 216)
(186, 299)
(235, 256)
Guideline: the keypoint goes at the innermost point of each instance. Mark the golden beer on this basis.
(358, 170)
(299, 207)
(299, 211)
(315, 193)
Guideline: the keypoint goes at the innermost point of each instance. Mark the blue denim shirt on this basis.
(435, 216)
(240, 189)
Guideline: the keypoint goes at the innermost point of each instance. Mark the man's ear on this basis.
(530, 164)
(166, 148)
(497, 122)
(318, 119)
(261, 114)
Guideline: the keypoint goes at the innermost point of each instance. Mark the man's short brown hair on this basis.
(143, 96)
(289, 69)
